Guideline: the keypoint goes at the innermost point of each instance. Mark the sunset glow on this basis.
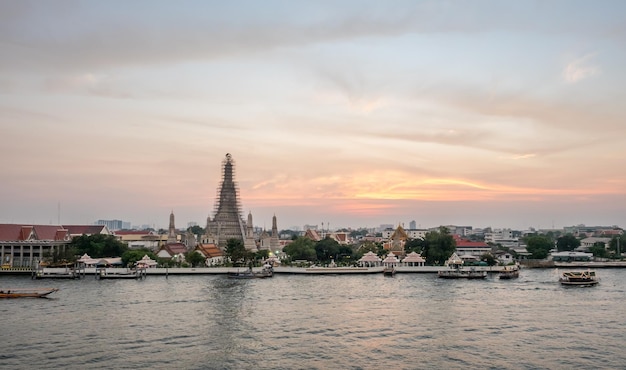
(354, 113)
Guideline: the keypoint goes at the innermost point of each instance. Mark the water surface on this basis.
(410, 321)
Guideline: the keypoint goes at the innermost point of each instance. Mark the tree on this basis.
(262, 254)
(414, 245)
(345, 254)
(599, 250)
(326, 249)
(567, 242)
(301, 249)
(130, 257)
(539, 246)
(368, 246)
(438, 246)
(615, 242)
(195, 258)
(98, 245)
(61, 255)
(236, 251)
(196, 230)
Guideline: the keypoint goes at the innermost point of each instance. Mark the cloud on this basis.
(86, 83)
(580, 69)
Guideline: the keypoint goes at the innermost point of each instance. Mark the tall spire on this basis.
(274, 243)
(274, 227)
(227, 222)
(171, 235)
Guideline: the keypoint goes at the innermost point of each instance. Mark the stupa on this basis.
(227, 222)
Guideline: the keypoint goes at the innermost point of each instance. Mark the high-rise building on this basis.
(111, 224)
(227, 222)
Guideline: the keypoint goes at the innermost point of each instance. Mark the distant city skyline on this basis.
(353, 113)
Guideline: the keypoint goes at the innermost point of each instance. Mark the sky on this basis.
(346, 113)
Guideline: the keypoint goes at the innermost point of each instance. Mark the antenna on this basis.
(59, 213)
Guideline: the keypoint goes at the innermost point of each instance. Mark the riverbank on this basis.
(157, 271)
(92, 271)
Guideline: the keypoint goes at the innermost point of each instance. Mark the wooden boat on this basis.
(509, 272)
(27, 293)
(579, 278)
(267, 272)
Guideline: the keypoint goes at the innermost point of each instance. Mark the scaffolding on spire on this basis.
(227, 222)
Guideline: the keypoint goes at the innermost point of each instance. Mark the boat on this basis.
(113, 273)
(267, 272)
(389, 271)
(579, 278)
(56, 274)
(462, 273)
(509, 272)
(27, 293)
(456, 270)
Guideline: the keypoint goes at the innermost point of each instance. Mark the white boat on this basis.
(462, 273)
(456, 270)
(267, 272)
(579, 278)
(509, 272)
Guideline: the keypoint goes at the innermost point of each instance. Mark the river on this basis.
(409, 321)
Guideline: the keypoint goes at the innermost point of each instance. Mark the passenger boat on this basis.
(267, 272)
(27, 293)
(579, 278)
(509, 272)
(54, 274)
(461, 273)
(456, 270)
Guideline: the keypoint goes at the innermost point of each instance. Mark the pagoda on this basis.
(227, 222)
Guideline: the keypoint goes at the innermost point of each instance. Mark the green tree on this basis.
(98, 246)
(262, 254)
(438, 246)
(345, 255)
(368, 246)
(236, 252)
(615, 242)
(196, 230)
(61, 255)
(130, 257)
(567, 242)
(414, 245)
(539, 246)
(599, 250)
(195, 259)
(301, 249)
(327, 249)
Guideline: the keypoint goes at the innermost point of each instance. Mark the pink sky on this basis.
(469, 113)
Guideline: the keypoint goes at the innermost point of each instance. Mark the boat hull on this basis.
(576, 278)
(27, 293)
(254, 275)
(458, 273)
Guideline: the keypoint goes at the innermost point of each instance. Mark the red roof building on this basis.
(26, 245)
